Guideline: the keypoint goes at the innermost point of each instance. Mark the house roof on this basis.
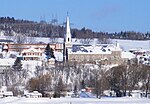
(93, 49)
(127, 55)
(31, 49)
(34, 93)
(5, 41)
(10, 93)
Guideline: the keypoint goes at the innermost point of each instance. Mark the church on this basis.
(103, 53)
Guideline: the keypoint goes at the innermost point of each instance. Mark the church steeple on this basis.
(68, 39)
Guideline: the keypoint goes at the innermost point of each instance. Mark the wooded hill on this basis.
(10, 25)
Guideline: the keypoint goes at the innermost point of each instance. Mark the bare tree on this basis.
(20, 39)
(59, 88)
(146, 79)
(53, 39)
(40, 83)
(85, 41)
(30, 40)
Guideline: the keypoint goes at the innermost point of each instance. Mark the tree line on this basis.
(45, 29)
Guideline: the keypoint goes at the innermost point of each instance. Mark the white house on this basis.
(31, 54)
(34, 94)
(5, 93)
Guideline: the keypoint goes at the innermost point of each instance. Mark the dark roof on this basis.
(76, 48)
(4, 40)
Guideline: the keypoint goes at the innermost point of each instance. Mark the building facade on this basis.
(21, 47)
(106, 54)
(31, 54)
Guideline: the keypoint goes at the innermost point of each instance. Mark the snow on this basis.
(34, 94)
(94, 49)
(7, 62)
(8, 93)
(58, 56)
(125, 44)
(31, 49)
(133, 44)
(5, 47)
(128, 55)
(68, 100)
(31, 66)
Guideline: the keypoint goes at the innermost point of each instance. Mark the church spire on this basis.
(68, 40)
(68, 33)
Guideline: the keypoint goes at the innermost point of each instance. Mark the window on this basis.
(68, 40)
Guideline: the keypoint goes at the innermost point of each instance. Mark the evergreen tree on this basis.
(75, 91)
(17, 64)
(82, 84)
(49, 52)
(52, 53)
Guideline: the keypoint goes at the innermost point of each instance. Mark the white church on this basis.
(104, 53)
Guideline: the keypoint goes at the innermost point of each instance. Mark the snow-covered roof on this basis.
(127, 55)
(58, 56)
(31, 49)
(8, 93)
(51, 59)
(140, 50)
(34, 93)
(5, 41)
(7, 62)
(5, 47)
(94, 49)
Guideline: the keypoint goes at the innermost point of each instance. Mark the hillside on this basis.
(11, 26)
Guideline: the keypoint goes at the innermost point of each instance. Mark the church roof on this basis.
(93, 49)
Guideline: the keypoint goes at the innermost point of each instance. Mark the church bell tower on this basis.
(67, 39)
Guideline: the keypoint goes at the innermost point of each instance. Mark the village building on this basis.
(4, 92)
(5, 41)
(34, 94)
(33, 51)
(21, 47)
(31, 54)
(102, 53)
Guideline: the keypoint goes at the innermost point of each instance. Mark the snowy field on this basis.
(124, 100)
(124, 44)
(133, 44)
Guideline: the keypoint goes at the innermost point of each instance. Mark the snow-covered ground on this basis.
(133, 44)
(124, 100)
